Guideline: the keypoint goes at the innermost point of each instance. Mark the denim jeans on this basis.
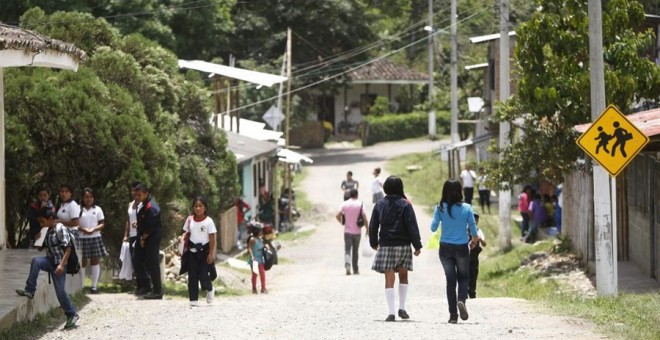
(351, 247)
(524, 226)
(45, 264)
(455, 259)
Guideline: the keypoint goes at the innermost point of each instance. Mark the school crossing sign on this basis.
(612, 140)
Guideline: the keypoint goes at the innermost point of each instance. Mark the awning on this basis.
(259, 78)
(289, 156)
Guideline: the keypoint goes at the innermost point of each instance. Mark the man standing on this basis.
(348, 184)
(349, 213)
(467, 180)
(147, 252)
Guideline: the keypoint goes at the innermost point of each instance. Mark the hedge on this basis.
(393, 127)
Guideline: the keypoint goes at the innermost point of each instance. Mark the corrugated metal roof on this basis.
(246, 148)
(384, 71)
(260, 78)
(646, 121)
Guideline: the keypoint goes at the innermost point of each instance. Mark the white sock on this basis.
(389, 295)
(403, 295)
(96, 272)
(82, 274)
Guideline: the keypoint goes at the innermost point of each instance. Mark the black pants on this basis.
(484, 200)
(198, 273)
(351, 248)
(468, 193)
(148, 263)
(474, 272)
(134, 243)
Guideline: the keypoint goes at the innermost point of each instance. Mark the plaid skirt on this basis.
(393, 258)
(92, 247)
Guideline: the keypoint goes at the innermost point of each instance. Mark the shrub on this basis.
(393, 127)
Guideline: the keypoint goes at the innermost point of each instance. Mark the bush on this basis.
(393, 127)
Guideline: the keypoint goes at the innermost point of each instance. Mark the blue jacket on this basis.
(148, 218)
(453, 227)
(393, 223)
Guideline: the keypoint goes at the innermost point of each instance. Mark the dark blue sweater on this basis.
(393, 223)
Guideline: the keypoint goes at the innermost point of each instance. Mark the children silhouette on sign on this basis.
(603, 139)
(621, 136)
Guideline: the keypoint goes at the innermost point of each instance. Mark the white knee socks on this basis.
(82, 274)
(96, 272)
(403, 295)
(389, 295)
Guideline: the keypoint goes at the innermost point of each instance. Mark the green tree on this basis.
(552, 59)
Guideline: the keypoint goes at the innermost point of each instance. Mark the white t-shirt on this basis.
(132, 219)
(90, 219)
(481, 182)
(376, 186)
(199, 230)
(468, 178)
(68, 211)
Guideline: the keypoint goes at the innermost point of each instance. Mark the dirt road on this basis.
(312, 298)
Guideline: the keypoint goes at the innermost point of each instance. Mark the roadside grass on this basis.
(627, 316)
(302, 202)
(294, 236)
(43, 323)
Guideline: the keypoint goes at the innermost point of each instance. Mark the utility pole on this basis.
(432, 128)
(604, 222)
(504, 195)
(454, 77)
(288, 115)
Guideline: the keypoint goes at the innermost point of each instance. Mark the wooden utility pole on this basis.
(432, 127)
(454, 77)
(604, 210)
(504, 195)
(288, 116)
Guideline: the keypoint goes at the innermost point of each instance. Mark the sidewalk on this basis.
(14, 268)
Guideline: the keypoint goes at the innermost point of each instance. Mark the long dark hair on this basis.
(393, 186)
(82, 198)
(452, 193)
(202, 200)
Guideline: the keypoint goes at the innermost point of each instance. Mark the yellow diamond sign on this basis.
(612, 140)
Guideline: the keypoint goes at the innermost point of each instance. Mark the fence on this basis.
(227, 230)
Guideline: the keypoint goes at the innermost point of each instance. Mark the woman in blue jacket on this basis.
(454, 251)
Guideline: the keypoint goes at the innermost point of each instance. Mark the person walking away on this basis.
(68, 212)
(454, 215)
(348, 214)
(241, 209)
(199, 231)
(92, 222)
(377, 187)
(43, 200)
(467, 180)
(475, 250)
(484, 191)
(523, 208)
(130, 231)
(348, 184)
(58, 249)
(256, 258)
(537, 211)
(393, 228)
(147, 251)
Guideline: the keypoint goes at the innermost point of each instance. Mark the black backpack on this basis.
(269, 258)
(73, 265)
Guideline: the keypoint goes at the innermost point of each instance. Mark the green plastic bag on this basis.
(434, 241)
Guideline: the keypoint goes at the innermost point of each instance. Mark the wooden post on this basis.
(3, 212)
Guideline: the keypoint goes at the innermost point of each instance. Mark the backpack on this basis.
(269, 258)
(73, 264)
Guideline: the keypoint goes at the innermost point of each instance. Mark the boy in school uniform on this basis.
(475, 249)
(58, 249)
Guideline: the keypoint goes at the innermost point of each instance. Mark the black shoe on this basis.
(21, 292)
(462, 310)
(356, 272)
(390, 318)
(93, 291)
(472, 295)
(142, 291)
(403, 314)
(153, 296)
(453, 319)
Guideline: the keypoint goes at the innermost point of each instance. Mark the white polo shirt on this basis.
(199, 230)
(468, 178)
(68, 211)
(376, 186)
(89, 219)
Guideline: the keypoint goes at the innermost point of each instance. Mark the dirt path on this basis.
(311, 297)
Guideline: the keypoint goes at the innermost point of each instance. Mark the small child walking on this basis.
(256, 252)
(475, 249)
(200, 235)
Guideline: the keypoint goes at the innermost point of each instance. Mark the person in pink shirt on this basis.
(523, 207)
(348, 214)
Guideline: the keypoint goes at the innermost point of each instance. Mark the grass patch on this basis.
(43, 323)
(424, 185)
(294, 236)
(302, 202)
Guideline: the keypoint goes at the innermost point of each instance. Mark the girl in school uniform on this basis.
(200, 234)
(92, 222)
(256, 251)
(68, 212)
